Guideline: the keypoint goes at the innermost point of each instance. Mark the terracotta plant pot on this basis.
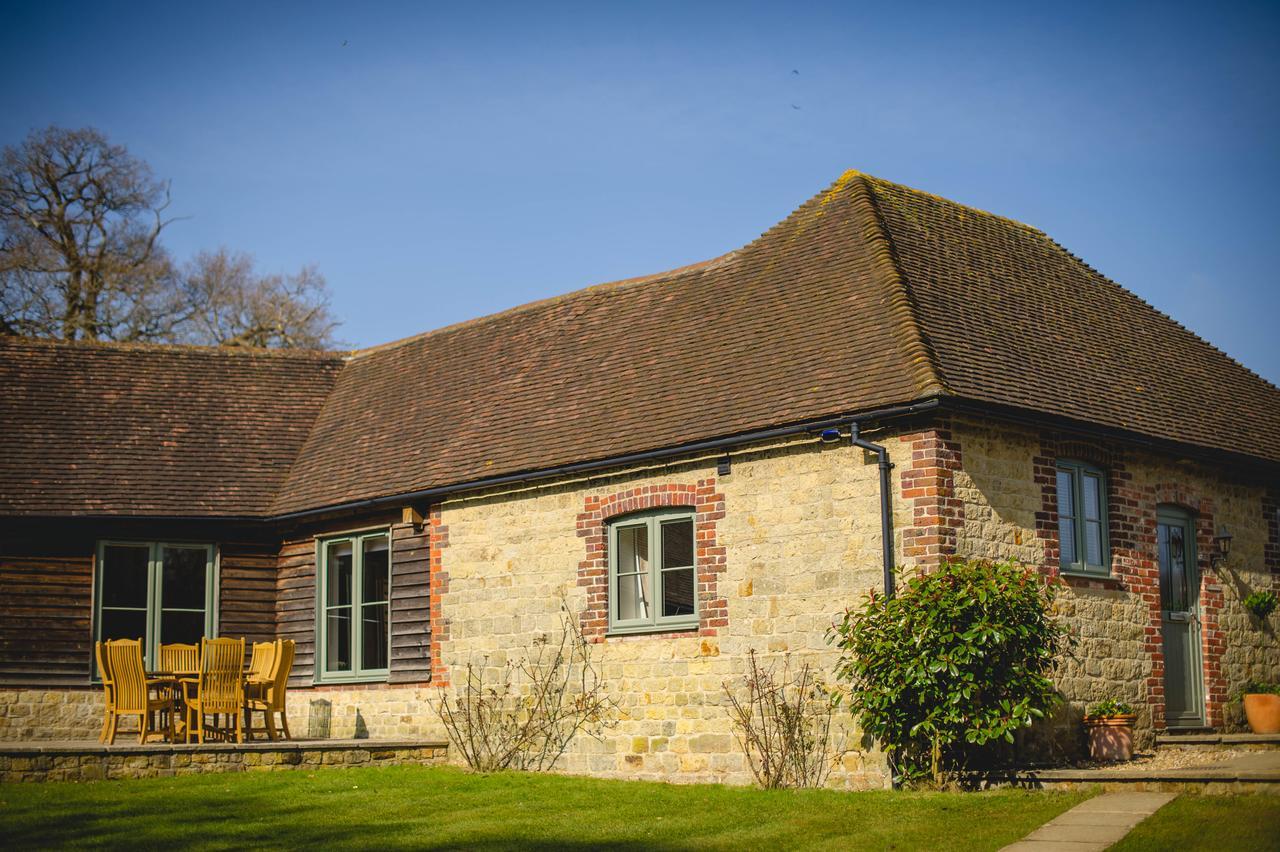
(1262, 709)
(1110, 737)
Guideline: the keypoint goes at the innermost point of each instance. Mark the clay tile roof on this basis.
(1013, 318)
(91, 428)
(869, 295)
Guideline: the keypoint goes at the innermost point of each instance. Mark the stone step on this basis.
(1211, 740)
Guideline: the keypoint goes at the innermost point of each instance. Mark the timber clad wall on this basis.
(410, 605)
(295, 603)
(46, 606)
(46, 590)
(247, 597)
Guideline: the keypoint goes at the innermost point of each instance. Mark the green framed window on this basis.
(1082, 519)
(353, 607)
(159, 592)
(653, 578)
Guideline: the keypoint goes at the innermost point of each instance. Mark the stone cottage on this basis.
(703, 462)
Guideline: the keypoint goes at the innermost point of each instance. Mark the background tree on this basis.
(80, 221)
(81, 258)
(232, 305)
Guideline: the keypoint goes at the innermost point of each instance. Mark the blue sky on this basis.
(453, 160)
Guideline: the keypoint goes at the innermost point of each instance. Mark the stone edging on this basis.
(93, 762)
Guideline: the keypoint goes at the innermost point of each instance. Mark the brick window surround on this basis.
(704, 501)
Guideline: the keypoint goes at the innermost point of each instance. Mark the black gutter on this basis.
(886, 509)
(622, 461)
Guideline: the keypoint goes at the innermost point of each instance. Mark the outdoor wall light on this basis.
(830, 436)
(1221, 546)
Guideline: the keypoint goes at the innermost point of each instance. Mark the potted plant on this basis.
(1261, 604)
(1262, 706)
(1110, 727)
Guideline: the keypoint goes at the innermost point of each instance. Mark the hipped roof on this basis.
(871, 294)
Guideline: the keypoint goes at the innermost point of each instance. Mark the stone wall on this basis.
(23, 764)
(797, 534)
(1005, 490)
(50, 713)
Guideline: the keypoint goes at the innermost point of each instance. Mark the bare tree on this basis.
(80, 221)
(81, 258)
(232, 305)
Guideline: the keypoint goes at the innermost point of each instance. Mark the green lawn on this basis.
(1210, 823)
(414, 807)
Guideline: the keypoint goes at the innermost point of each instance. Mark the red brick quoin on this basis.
(438, 538)
(709, 556)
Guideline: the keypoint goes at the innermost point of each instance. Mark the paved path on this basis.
(1092, 825)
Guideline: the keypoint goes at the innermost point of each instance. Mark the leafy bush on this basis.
(1109, 707)
(783, 723)
(1261, 604)
(538, 704)
(959, 659)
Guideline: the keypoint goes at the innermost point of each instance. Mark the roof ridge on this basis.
(969, 207)
(602, 287)
(187, 348)
(921, 359)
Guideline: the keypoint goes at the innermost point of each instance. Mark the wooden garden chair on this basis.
(179, 659)
(269, 699)
(132, 690)
(264, 655)
(109, 706)
(218, 689)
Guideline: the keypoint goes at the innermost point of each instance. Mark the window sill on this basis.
(381, 677)
(1107, 580)
(656, 631)
(1092, 574)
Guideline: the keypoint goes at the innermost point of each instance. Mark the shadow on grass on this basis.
(440, 808)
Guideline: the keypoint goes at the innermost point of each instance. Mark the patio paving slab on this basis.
(1092, 825)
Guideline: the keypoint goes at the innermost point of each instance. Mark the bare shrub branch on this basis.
(529, 715)
(783, 724)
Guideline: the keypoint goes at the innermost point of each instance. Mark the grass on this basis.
(1217, 823)
(439, 808)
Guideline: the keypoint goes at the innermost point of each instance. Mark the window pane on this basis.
(183, 578)
(338, 574)
(375, 573)
(1173, 567)
(1092, 508)
(633, 549)
(1066, 496)
(124, 577)
(1093, 542)
(633, 596)
(186, 627)
(374, 637)
(677, 544)
(338, 640)
(124, 624)
(677, 592)
(1066, 540)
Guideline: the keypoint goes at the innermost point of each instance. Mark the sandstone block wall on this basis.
(27, 765)
(801, 538)
(50, 713)
(1006, 514)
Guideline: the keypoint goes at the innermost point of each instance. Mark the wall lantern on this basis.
(1221, 546)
